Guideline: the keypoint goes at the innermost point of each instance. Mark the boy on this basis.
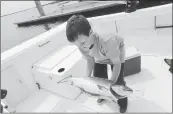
(98, 52)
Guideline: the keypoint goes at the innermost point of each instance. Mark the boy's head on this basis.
(78, 31)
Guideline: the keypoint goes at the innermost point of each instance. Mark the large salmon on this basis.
(100, 88)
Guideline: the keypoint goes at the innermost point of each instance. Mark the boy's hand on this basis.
(90, 67)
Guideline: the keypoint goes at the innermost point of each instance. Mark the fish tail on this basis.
(115, 94)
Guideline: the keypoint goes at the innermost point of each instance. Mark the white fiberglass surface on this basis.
(153, 42)
(42, 101)
(154, 82)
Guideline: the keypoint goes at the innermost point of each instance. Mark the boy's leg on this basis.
(121, 102)
(1, 109)
(100, 70)
(120, 79)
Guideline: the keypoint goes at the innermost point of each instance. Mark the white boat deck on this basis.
(154, 80)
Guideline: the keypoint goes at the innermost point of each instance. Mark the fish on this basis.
(100, 87)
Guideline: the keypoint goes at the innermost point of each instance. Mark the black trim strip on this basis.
(116, 27)
(159, 27)
(155, 22)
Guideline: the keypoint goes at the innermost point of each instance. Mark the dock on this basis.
(72, 8)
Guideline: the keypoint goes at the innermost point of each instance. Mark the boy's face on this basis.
(84, 42)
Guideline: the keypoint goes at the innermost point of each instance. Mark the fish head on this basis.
(74, 81)
(67, 80)
(122, 90)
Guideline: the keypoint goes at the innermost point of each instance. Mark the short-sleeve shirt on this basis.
(104, 51)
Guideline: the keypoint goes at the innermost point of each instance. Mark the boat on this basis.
(30, 72)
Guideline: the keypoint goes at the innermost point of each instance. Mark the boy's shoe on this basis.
(100, 101)
(123, 104)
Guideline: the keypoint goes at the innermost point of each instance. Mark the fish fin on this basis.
(127, 89)
(100, 87)
(115, 94)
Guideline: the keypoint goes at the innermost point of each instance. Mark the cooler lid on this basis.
(131, 52)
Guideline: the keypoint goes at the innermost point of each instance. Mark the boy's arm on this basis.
(115, 72)
(114, 55)
(90, 67)
(90, 63)
(115, 59)
(113, 51)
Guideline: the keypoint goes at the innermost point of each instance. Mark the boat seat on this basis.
(41, 101)
(49, 62)
(49, 71)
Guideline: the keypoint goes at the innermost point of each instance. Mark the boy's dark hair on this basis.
(76, 25)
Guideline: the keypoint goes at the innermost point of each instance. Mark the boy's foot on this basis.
(100, 101)
(123, 104)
